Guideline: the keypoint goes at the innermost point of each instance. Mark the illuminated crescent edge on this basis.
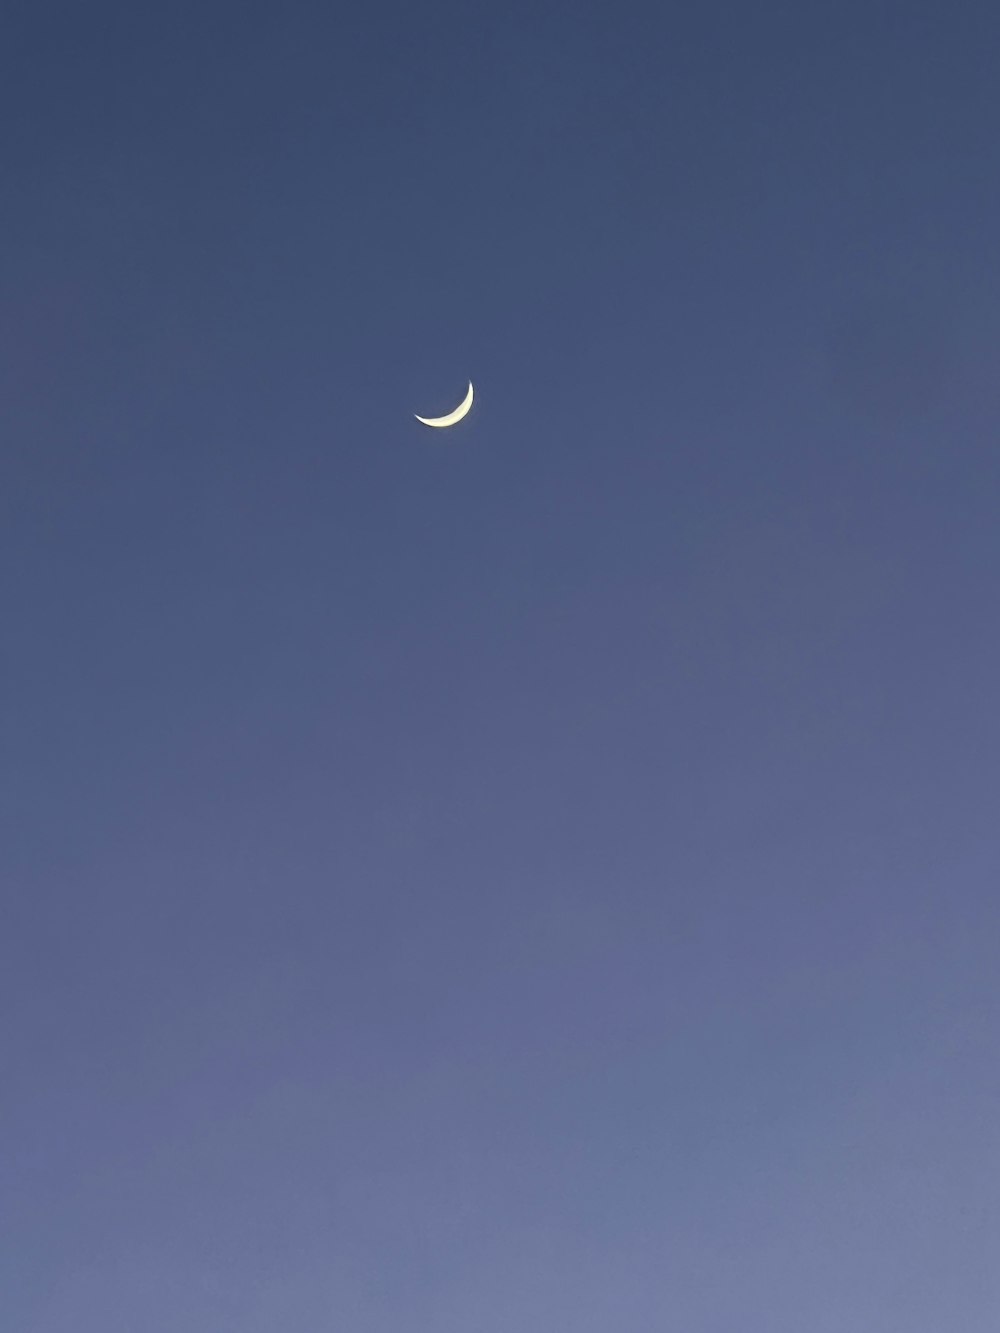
(452, 417)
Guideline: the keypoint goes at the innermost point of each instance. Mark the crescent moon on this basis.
(460, 411)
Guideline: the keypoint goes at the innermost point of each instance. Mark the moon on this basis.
(460, 411)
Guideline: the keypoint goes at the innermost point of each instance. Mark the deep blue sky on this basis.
(541, 876)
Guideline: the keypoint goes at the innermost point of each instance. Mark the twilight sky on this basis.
(540, 877)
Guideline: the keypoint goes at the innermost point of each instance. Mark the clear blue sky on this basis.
(540, 877)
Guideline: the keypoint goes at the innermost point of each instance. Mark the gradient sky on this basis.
(540, 877)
